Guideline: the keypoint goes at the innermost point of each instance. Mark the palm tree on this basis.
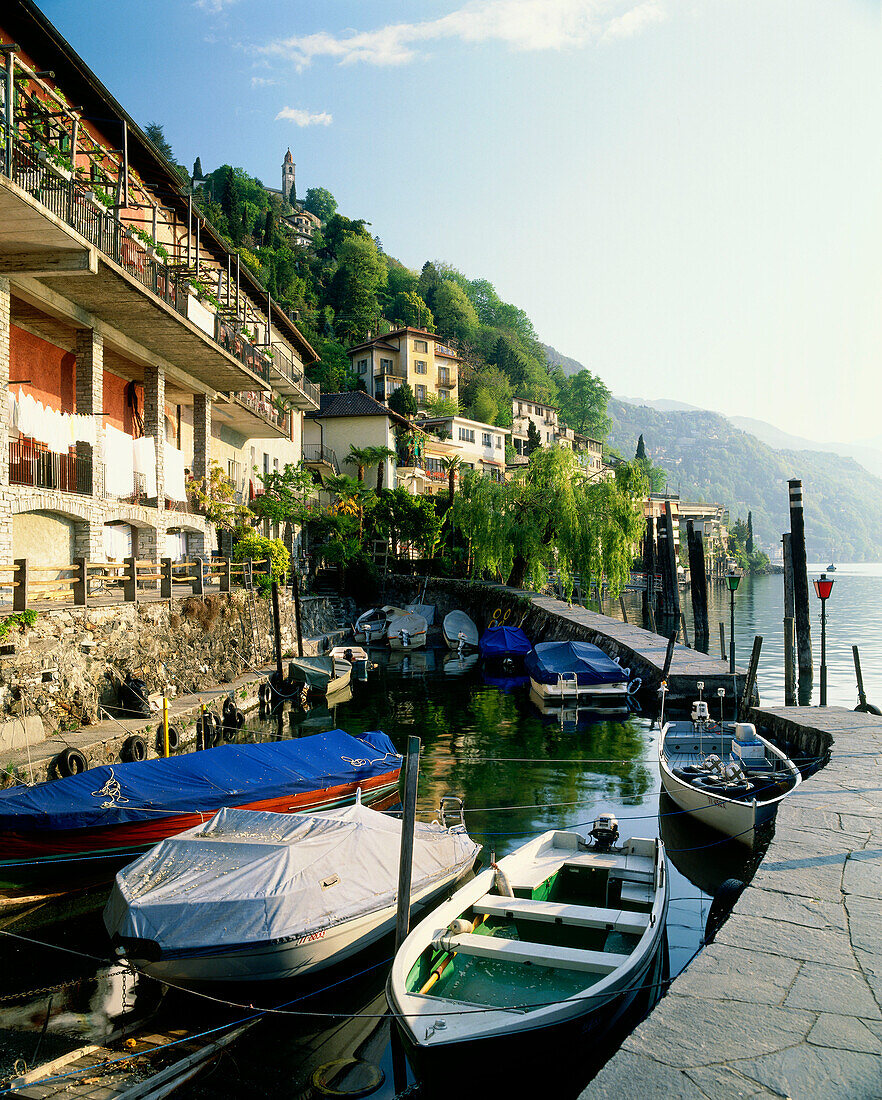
(379, 455)
(359, 457)
(451, 467)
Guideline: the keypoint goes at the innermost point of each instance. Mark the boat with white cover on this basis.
(252, 896)
(356, 655)
(564, 932)
(407, 632)
(371, 625)
(723, 773)
(459, 631)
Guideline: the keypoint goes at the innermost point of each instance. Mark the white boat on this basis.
(723, 773)
(407, 632)
(371, 625)
(254, 896)
(564, 932)
(427, 610)
(320, 675)
(356, 656)
(459, 631)
(576, 671)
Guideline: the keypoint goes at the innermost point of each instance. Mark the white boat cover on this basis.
(413, 624)
(427, 610)
(251, 877)
(456, 623)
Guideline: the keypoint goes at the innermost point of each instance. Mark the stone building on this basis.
(134, 348)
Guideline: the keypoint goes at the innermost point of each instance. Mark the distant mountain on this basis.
(868, 453)
(661, 405)
(709, 459)
(555, 358)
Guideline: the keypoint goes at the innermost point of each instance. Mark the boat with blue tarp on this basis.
(575, 670)
(120, 810)
(504, 641)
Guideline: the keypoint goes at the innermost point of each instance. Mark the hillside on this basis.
(709, 459)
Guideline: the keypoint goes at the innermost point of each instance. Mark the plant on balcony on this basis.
(258, 548)
(215, 498)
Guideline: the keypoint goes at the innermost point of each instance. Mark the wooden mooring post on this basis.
(698, 581)
(277, 630)
(405, 862)
(789, 664)
(723, 654)
(752, 670)
(295, 592)
(800, 581)
(649, 573)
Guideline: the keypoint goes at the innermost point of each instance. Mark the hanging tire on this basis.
(727, 894)
(218, 729)
(174, 739)
(70, 762)
(133, 749)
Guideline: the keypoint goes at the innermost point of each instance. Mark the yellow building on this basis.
(410, 355)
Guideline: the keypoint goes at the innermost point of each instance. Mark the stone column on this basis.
(89, 539)
(90, 400)
(5, 494)
(154, 424)
(201, 435)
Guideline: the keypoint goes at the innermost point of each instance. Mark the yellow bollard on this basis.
(164, 726)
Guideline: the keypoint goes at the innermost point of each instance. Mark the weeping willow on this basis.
(550, 516)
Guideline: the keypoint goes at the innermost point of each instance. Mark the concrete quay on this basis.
(786, 1001)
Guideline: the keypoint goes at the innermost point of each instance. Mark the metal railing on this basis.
(138, 495)
(266, 410)
(35, 465)
(317, 452)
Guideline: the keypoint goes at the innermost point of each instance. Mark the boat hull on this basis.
(28, 856)
(297, 956)
(602, 694)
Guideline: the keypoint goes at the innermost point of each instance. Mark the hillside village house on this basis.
(410, 355)
(133, 346)
(350, 419)
(552, 432)
(480, 446)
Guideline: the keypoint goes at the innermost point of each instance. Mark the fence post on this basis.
(80, 585)
(225, 575)
(199, 577)
(130, 584)
(20, 592)
(165, 581)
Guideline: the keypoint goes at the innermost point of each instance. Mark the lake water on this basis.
(518, 771)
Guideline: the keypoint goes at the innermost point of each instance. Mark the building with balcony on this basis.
(410, 355)
(135, 349)
(551, 432)
(350, 419)
(480, 446)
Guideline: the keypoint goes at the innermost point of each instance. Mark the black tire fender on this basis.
(133, 749)
(728, 892)
(70, 762)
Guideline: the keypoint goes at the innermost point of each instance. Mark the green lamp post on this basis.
(733, 579)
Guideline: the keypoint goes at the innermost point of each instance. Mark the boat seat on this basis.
(624, 868)
(637, 893)
(577, 916)
(540, 954)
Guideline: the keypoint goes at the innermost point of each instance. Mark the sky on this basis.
(684, 195)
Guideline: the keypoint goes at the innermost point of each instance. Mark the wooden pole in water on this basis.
(663, 601)
(698, 580)
(683, 628)
(624, 609)
(669, 655)
(752, 670)
(800, 581)
(789, 614)
(789, 664)
(674, 588)
(405, 862)
(723, 653)
(295, 592)
(649, 569)
(277, 628)
(165, 725)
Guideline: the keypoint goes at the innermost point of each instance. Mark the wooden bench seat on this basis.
(577, 916)
(539, 954)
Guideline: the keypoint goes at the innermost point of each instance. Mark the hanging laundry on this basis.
(175, 476)
(144, 450)
(119, 464)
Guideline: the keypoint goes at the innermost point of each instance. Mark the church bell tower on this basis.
(287, 176)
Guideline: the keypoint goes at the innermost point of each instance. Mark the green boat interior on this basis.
(560, 934)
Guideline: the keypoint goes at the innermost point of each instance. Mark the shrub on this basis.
(259, 549)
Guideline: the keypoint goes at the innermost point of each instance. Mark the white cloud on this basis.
(527, 25)
(213, 7)
(304, 118)
(262, 81)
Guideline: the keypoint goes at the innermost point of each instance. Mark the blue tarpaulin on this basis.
(504, 641)
(230, 775)
(591, 665)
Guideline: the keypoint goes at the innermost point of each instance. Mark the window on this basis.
(467, 435)
(420, 345)
(385, 366)
(379, 394)
(420, 366)
(443, 376)
(497, 442)
(548, 437)
(362, 366)
(420, 394)
(486, 439)
(266, 463)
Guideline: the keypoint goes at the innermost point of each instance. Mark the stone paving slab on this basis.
(787, 1002)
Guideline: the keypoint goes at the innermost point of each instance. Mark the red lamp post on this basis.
(823, 587)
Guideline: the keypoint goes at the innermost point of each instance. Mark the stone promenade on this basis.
(786, 1001)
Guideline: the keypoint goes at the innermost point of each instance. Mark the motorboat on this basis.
(407, 632)
(724, 773)
(459, 631)
(86, 821)
(263, 896)
(371, 625)
(565, 930)
(567, 671)
(325, 675)
(427, 610)
(356, 655)
(499, 642)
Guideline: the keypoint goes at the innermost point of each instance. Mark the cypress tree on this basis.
(292, 196)
(197, 169)
(641, 448)
(534, 440)
(268, 229)
(748, 545)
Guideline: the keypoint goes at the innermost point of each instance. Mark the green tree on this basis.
(534, 440)
(320, 202)
(403, 401)
(429, 283)
(451, 466)
(641, 448)
(292, 196)
(748, 542)
(437, 405)
(197, 169)
(154, 132)
(360, 275)
(455, 316)
(269, 229)
(408, 308)
(359, 457)
(583, 399)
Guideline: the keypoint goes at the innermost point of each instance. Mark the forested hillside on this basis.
(708, 459)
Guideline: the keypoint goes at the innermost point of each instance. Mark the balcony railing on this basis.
(258, 404)
(35, 465)
(317, 452)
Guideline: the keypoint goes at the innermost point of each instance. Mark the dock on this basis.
(546, 619)
(786, 1001)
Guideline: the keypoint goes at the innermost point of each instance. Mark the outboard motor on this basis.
(700, 713)
(404, 635)
(462, 642)
(605, 832)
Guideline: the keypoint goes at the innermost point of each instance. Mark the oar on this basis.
(444, 962)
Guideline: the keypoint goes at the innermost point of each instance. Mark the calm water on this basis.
(519, 772)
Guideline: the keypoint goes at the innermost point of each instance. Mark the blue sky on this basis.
(682, 194)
